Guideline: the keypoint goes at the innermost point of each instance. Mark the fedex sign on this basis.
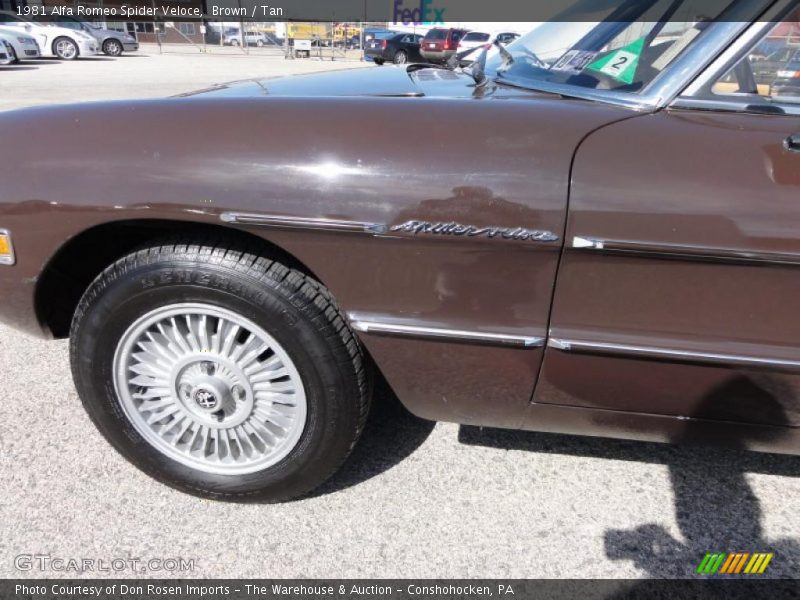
(423, 14)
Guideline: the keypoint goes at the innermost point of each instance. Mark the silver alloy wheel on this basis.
(112, 47)
(210, 389)
(66, 48)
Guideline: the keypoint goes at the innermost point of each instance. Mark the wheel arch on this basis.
(78, 261)
(73, 40)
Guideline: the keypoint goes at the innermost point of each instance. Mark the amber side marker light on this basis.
(6, 248)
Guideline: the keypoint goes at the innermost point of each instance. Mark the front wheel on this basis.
(112, 47)
(220, 373)
(65, 49)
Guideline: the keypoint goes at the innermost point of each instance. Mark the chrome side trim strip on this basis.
(499, 339)
(669, 251)
(414, 228)
(738, 104)
(320, 224)
(457, 229)
(582, 346)
(582, 242)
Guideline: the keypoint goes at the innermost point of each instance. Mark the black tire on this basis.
(379, 61)
(65, 48)
(400, 57)
(291, 306)
(112, 47)
(14, 58)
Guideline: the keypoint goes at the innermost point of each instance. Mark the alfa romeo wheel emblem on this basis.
(205, 399)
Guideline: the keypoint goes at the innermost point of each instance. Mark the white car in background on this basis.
(476, 39)
(23, 46)
(110, 41)
(60, 42)
(5, 52)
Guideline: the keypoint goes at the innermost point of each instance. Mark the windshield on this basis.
(8, 18)
(624, 48)
(436, 34)
(476, 37)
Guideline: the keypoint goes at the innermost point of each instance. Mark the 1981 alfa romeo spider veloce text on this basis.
(594, 230)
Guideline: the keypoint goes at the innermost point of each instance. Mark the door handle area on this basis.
(792, 143)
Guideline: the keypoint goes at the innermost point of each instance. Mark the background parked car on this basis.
(22, 45)
(61, 42)
(5, 52)
(351, 43)
(399, 49)
(371, 34)
(506, 37)
(788, 77)
(468, 53)
(765, 67)
(252, 38)
(111, 42)
(475, 39)
(439, 44)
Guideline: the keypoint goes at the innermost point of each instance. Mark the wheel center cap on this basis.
(208, 397)
(205, 399)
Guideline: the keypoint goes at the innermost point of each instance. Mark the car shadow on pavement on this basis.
(716, 509)
(390, 436)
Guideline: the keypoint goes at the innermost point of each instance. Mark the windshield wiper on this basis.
(478, 68)
(508, 58)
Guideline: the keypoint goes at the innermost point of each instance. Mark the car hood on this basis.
(15, 32)
(55, 30)
(370, 81)
(101, 32)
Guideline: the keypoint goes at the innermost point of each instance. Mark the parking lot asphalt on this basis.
(146, 73)
(416, 499)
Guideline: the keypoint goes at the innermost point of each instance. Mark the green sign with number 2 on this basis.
(620, 64)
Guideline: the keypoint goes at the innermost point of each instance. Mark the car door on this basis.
(403, 44)
(678, 291)
(411, 44)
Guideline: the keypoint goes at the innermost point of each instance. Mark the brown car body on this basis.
(566, 265)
